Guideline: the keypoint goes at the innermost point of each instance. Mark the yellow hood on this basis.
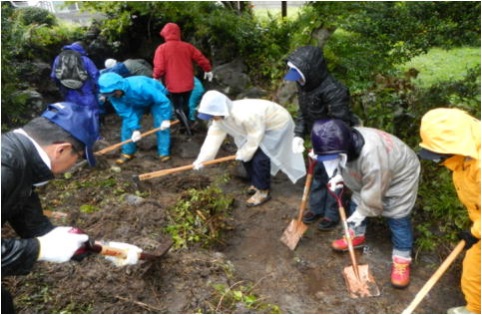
(450, 131)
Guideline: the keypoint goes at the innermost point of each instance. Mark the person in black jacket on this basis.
(320, 96)
(31, 156)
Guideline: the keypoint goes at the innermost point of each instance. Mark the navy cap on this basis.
(293, 75)
(430, 155)
(327, 157)
(80, 121)
(203, 116)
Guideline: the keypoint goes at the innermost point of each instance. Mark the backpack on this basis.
(70, 70)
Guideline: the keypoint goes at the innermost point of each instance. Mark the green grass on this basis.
(263, 13)
(440, 65)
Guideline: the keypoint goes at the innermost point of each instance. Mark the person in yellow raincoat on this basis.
(452, 137)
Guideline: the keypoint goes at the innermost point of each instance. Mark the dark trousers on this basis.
(259, 170)
(7, 302)
(321, 202)
(180, 101)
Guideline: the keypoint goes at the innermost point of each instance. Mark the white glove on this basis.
(197, 165)
(336, 182)
(240, 156)
(208, 76)
(59, 245)
(166, 124)
(355, 219)
(136, 136)
(132, 254)
(312, 155)
(298, 145)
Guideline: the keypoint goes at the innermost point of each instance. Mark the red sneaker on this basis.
(342, 245)
(401, 272)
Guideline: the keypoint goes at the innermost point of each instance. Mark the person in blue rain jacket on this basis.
(87, 95)
(130, 97)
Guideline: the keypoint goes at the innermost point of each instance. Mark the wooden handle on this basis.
(435, 277)
(106, 250)
(348, 239)
(307, 188)
(183, 168)
(118, 145)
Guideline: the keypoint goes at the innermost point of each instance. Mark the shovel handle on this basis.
(118, 145)
(182, 168)
(307, 188)
(435, 277)
(106, 250)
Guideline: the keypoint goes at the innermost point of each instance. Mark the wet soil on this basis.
(306, 280)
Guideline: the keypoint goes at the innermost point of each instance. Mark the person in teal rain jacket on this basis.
(130, 97)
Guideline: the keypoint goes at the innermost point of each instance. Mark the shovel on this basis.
(295, 230)
(435, 277)
(179, 169)
(105, 249)
(118, 145)
(358, 278)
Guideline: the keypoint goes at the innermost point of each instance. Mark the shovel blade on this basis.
(293, 233)
(361, 285)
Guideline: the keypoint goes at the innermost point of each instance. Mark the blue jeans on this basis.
(259, 170)
(321, 202)
(401, 230)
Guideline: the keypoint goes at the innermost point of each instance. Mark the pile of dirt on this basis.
(251, 272)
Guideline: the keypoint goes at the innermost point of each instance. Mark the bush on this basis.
(32, 15)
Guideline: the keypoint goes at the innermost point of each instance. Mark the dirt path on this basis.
(307, 280)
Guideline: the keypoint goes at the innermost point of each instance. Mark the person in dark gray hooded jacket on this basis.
(320, 96)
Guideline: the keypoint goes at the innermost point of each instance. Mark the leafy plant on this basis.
(240, 295)
(200, 217)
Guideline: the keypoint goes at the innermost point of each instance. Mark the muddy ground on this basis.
(262, 273)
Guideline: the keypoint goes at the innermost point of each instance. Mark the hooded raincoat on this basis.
(384, 177)
(87, 95)
(453, 131)
(140, 93)
(321, 96)
(252, 123)
(173, 61)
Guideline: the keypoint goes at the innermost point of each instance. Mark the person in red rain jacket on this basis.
(173, 64)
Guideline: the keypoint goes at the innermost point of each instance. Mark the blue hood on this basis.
(77, 47)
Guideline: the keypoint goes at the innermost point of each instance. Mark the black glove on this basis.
(468, 238)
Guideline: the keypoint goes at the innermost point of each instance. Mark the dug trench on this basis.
(248, 271)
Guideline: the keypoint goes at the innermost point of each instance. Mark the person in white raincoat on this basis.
(262, 131)
(382, 173)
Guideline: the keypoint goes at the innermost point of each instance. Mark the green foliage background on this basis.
(362, 41)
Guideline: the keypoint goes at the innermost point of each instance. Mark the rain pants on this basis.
(195, 98)
(453, 131)
(141, 93)
(87, 94)
(253, 123)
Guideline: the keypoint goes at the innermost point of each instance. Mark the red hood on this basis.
(171, 31)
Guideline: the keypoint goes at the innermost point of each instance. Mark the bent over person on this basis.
(382, 172)
(262, 131)
(130, 98)
(451, 138)
(31, 156)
